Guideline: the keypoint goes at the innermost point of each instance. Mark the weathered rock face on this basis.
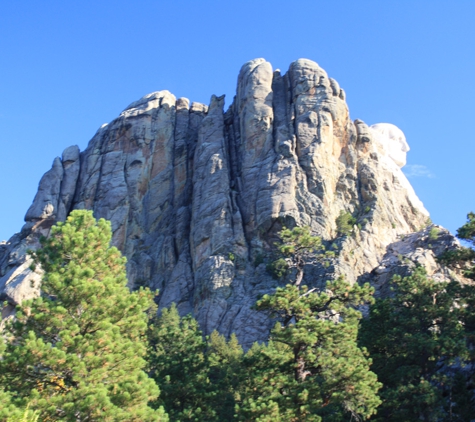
(197, 195)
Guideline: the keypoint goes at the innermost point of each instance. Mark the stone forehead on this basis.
(391, 133)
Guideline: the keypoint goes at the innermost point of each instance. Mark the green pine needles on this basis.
(178, 364)
(312, 368)
(77, 352)
(420, 339)
(298, 248)
(199, 377)
(463, 258)
(90, 350)
(345, 223)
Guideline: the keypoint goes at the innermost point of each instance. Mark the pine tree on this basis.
(177, 362)
(463, 257)
(225, 374)
(467, 231)
(414, 338)
(77, 352)
(312, 368)
(7, 408)
(266, 370)
(199, 377)
(345, 223)
(298, 248)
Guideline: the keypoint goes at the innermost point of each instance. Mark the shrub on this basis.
(344, 223)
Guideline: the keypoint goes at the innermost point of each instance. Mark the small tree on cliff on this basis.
(463, 257)
(298, 248)
(77, 352)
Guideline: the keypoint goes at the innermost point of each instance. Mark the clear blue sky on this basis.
(67, 67)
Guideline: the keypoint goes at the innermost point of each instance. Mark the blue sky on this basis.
(68, 67)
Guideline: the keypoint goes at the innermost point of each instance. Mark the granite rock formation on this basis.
(196, 195)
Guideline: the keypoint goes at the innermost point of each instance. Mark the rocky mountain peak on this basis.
(196, 195)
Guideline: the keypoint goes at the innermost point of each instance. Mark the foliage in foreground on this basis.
(312, 368)
(463, 257)
(177, 363)
(198, 378)
(418, 342)
(77, 352)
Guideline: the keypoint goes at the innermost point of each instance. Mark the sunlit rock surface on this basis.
(197, 194)
(391, 143)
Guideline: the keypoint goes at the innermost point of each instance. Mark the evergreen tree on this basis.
(345, 223)
(177, 362)
(7, 407)
(467, 231)
(225, 374)
(311, 369)
(414, 337)
(463, 257)
(199, 378)
(266, 372)
(298, 248)
(77, 352)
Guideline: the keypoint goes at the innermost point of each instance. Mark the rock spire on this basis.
(196, 194)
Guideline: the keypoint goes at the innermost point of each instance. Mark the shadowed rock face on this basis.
(197, 195)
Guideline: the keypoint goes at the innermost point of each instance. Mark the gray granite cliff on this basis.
(197, 194)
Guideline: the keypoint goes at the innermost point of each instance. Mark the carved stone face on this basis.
(392, 140)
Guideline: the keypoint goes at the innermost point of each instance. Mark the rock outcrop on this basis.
(196, 195)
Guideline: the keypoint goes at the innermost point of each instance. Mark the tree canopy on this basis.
(88, 349)
(463, 257)
(311, 369)
(418, 344)
(77, 352)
